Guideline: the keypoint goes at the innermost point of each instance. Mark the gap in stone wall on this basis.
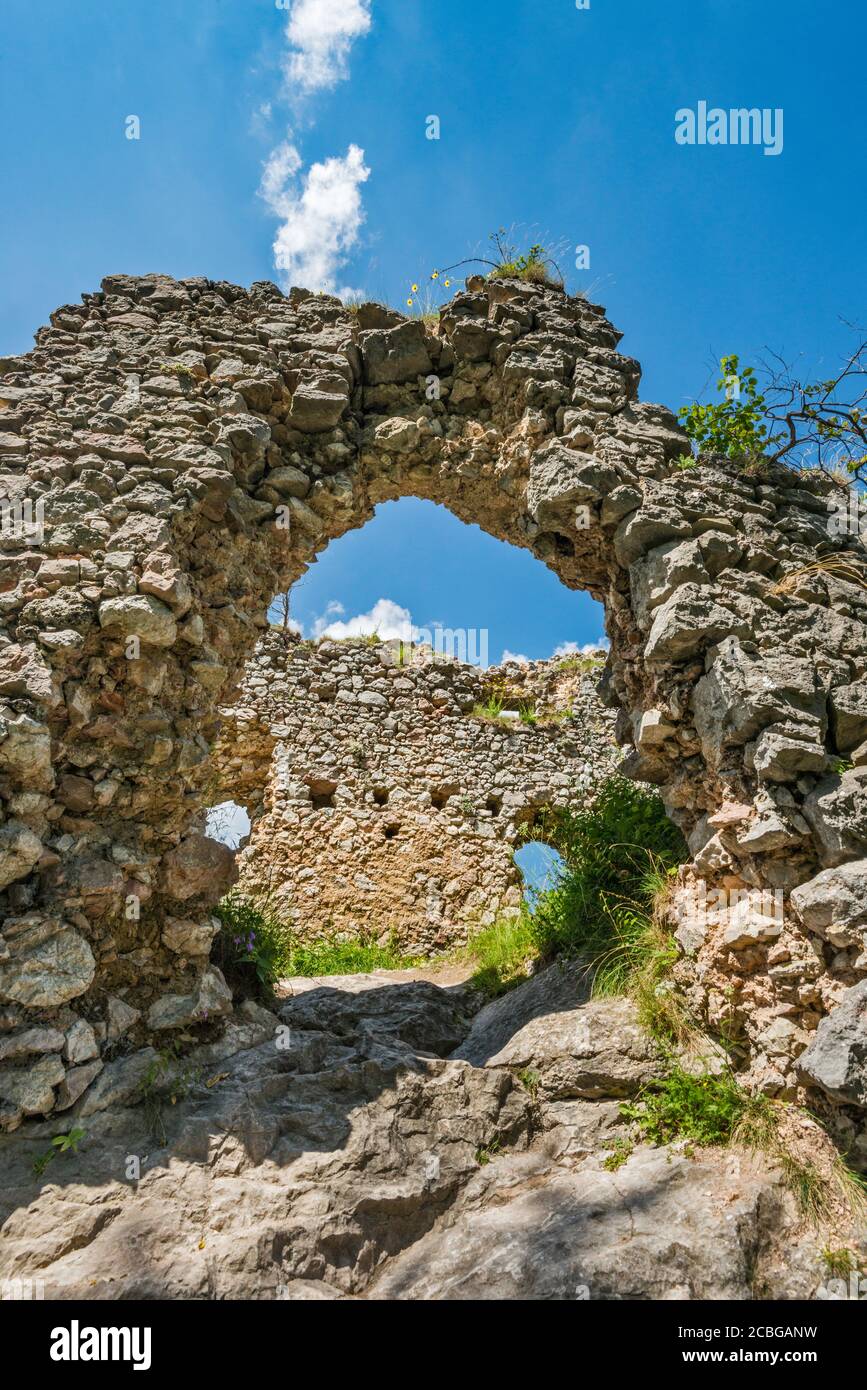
(541, 865)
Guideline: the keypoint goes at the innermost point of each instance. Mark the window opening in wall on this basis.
(541, 868)
(229, 823)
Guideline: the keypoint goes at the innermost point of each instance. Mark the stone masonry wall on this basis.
(174, 453)
(381, 803)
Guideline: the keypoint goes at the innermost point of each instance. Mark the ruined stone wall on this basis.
(382, 802)
(185, 448)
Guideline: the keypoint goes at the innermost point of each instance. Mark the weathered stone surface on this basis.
(686, 624)
(834, 904)
(741, 695)
(395, 354)
(199, 866)
(119, 1018)
(591, 1053)
(661, 1227)
(345, 1157)
(20, 849)
(836, 1059)
(35, 1040)
(141, 616)
(31, 1089)
(46, 970)
(849, 715)
(189, 938)
(416, 838)
(837, 812)
(80, 1044)
(211, 999)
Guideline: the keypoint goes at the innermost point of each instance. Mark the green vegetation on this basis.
(531, 265)
(487, 1152)
(60, 1144)
(492, 708)
(606, 908)
(807, 425)
(527, 714)
(620, 1151)
(503, 952)
(179, 369)
(530, 1079)
(584, 664)
(705, 1109)
(255, 950)
(167, 1080)
(735, 426)
(839, 1264)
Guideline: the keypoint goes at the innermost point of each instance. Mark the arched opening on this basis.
(266, 428)
(388, 807)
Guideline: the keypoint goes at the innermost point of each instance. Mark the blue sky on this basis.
(551, 117)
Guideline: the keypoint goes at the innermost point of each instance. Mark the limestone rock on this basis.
(834, 904)
(211, 999)
(189, 938)
(836, 1059)
(119, 1018)
(198, 866)
(142, 616)
(20, 849)
(47, 969)
(342, 1160)
(837, 812)
(80, 1043)
(32, 1088)
(395, 354)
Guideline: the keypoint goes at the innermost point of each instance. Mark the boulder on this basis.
(834, 904)
(211, 998)
(836, 1059)
(836, 810)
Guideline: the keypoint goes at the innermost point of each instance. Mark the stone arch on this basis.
(175, 452)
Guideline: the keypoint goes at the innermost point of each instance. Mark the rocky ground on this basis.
(385, 1137)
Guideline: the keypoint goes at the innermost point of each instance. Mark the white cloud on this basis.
(589, 648)
(321, 212)
(386, 620)
(321, 34)
(514, 656)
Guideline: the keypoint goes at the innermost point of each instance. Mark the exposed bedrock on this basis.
(174, 453)
(352, 1149)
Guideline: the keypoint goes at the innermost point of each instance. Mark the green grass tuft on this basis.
(606, 907)
(255, 950)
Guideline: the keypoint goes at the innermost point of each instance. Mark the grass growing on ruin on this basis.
(255, 950)
(584, 664)
(503, 953)
(714, 1109)
(606, 908)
